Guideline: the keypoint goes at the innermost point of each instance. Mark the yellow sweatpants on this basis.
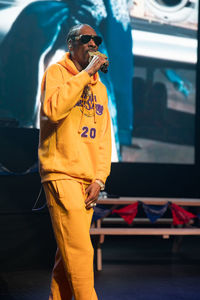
(73, 270)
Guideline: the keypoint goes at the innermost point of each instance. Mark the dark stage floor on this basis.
(139, 268)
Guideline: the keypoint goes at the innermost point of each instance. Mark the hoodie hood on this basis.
(67, 63)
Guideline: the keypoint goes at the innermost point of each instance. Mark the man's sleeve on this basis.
(59, 97)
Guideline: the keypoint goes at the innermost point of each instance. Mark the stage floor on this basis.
(139, 268)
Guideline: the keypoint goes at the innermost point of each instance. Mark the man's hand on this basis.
(95, 64)
(93, 192)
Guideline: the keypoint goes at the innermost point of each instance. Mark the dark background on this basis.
(26, 236)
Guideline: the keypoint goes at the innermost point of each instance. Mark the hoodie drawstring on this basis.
(80, 124)
(85, 96)
(94, 108)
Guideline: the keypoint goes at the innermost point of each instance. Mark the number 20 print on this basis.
(86, 132)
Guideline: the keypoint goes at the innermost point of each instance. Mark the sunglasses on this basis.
(85, 38)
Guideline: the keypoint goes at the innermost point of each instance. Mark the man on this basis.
(75, 157)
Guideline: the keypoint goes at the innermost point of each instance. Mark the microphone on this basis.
(104, 67)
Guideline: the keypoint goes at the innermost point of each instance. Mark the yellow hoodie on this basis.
(75, 138)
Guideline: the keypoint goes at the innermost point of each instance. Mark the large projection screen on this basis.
(152, 47)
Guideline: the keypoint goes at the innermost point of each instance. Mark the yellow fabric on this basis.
(75, 137)
(73, 269)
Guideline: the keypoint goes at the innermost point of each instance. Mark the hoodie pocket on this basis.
(53, 190)
(66, 143)
(58, 188)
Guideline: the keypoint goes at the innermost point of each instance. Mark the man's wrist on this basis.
(100, 183)
(89, 71)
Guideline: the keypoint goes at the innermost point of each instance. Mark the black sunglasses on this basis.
(85, 38)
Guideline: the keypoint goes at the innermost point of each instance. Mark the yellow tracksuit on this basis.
(74, 150)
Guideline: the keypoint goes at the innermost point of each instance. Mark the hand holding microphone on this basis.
(97, 61)
(104, 67)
